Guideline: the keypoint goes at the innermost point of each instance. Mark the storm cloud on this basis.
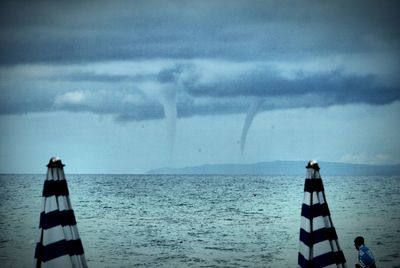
(76, 32)
(137, 97)
(112, 57)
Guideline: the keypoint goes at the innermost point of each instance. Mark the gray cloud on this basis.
(125, 98)
(336, 87)
(49, 33)
(172, 74)
(16, 100)
(332, 88)
(75, 32)
(101, 78)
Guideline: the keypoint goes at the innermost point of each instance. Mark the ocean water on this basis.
(200, 221)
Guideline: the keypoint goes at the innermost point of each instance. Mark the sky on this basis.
(129, 86)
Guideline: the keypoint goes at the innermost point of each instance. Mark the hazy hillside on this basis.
(284, 168)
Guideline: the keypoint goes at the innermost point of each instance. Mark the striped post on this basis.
(59, 243)
(319, 245)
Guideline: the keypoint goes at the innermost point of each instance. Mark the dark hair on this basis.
(359, 240)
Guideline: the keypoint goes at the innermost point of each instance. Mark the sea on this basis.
(200, 221)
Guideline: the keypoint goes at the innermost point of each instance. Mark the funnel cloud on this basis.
(251, 113)
(170, 113)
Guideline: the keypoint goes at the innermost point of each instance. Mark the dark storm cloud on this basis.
(100, 78)
(313, 90)
(322, 89)
(172, 74)
(82, 33)
(184, 109)
(23, 102)
(194, 97)
(335, 87)
(76, 31)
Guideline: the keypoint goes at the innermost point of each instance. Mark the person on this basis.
(365, 257)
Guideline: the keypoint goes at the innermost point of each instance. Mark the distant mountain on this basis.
(284, 168)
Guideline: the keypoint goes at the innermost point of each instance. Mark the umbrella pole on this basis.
(311, 230)
(336, 240)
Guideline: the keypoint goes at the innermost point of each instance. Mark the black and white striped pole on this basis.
(319, 246)
(59, 244)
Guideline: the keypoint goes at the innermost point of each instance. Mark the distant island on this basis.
(296, 168)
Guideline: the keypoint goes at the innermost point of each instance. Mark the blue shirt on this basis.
(365, 256)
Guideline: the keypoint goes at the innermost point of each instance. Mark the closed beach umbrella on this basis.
(59, 243)
(319, 245)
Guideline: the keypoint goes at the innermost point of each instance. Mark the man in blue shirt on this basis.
(365, 257)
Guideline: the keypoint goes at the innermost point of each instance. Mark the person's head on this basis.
(358, 242)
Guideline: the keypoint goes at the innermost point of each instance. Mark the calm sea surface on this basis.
(200, 221)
